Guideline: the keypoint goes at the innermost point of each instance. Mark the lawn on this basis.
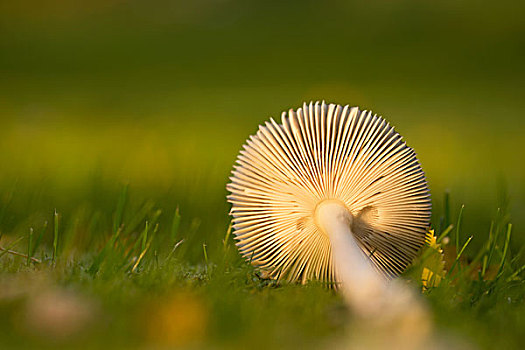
(120, 122)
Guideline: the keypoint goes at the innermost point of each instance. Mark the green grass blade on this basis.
(459, 256)
(141, 256)
(487, 250)
(117, 222)
(99, 259)
(495, 237)
(29, 246)
(515, 274)
(205, 253)
(175, 225)
(445, 233)
(228, 233)
(144, 237)
(505, 250)
(458, 228)
(205, 258)
(137, 219)
(55, 237)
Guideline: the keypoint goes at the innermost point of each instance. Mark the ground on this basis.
(120, 122)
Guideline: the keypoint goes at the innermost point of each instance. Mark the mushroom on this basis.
(334, 194)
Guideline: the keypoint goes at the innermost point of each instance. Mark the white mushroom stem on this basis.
(367, 292)
(360, 282)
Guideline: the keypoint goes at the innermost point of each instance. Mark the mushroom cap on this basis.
(327, 152)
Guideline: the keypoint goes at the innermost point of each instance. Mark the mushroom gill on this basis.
(328, 171)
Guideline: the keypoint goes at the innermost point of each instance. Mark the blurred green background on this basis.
(161, 95)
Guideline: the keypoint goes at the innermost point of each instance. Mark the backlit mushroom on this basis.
(331, 193)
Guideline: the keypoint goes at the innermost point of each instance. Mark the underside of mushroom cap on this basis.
(327, 152)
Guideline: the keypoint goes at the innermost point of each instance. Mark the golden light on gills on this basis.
(327, 152)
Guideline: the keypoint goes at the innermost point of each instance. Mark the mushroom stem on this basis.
(361, 284)
(370, 295)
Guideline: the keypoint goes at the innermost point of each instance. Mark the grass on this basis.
(119, 124)
(128, 277)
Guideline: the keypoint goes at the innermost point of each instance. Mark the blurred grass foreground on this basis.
(120, 121)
